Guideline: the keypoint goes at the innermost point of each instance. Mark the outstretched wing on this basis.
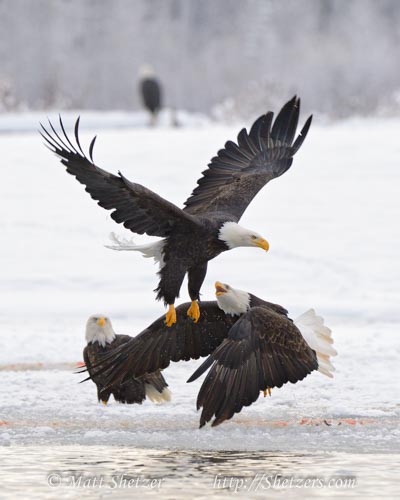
(263, 349)
(239, 171)
(136, 207)
(158, 345)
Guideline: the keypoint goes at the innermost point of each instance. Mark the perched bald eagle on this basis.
(150, 92)
(101, 339)
(208, 225)
(252, 346)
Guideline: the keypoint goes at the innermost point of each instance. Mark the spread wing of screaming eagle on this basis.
(251, 345)
(208, 224)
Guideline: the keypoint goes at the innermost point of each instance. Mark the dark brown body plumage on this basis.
(246, 354)
(150, 91)
(132, 390)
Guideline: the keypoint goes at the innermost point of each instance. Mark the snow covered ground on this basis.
(332, 223)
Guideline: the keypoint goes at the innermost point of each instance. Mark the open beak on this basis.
(101, 321)
(220, 288)
(262, 243)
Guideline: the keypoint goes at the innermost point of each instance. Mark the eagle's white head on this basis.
(146, 71)
(235, 235)
(230, 300)
(99, 329)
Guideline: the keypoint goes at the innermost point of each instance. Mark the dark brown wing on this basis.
(92, 354)
(158, 345)
(132, 392)
(239, 171)
(135, 206)
(155, 379)
(263, 349)
(86, 359)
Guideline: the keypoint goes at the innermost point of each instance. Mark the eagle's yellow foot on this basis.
(267, 390)
(194, 311)
(170, 317)
(104, 402)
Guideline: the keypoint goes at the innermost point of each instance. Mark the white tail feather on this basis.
(319, 338)
(155, 396)
(149, 250)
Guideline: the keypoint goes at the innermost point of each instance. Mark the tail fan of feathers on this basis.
(149, 250)
(319, 338)
(155, 396)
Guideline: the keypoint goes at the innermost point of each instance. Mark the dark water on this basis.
(125, 472)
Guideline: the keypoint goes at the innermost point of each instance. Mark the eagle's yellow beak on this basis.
(101, 321)
(220, 288)
(262, 243)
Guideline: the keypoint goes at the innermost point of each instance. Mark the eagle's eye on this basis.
(253, 237)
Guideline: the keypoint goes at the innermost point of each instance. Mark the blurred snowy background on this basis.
(341, 56)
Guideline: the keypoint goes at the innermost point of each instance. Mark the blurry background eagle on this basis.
(150, 92)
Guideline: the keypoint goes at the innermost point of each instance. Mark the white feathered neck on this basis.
(96, 333)
(234, 235)
(234, 302)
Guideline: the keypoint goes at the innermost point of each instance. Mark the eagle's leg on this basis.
(170, 317)
(194, 311)
(171, 276)
(103, 396)
(267, 390)
(196, 277)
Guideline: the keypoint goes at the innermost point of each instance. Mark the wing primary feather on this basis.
(48, 138)
(303, 133)
(255, 131)
(246, 142)
(282, 121)
(292, 123)
(201, 369)
(91, 148)
(48, 144)
(265, 131)
(58, 137)
(76, 132)
(81, 370)
(66, 136)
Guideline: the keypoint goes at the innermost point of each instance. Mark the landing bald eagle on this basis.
(101, 339)
(252, 346)
(208, 225)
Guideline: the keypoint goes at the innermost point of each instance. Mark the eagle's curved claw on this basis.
(170, 317)
(194, 311)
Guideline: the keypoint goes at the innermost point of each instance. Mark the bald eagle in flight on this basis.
(101, 340)
(252, 346)
(208, 225)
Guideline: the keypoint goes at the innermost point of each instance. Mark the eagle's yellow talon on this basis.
(170, 317)
(267, 390)
(104, 402)
(194, 311)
